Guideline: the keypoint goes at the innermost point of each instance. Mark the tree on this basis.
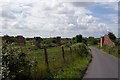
(84, 40)
(78, 38)
(112, 36)
(54, 40)
(92, 40)
(9, 39)
(73, 40)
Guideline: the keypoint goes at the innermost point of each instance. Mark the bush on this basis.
(9, 39)
(78, 38)
(112, 36)
(15, 64)
(92, 41)
(81, 49)
(115, 51)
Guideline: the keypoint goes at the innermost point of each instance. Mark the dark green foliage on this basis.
(84, 40)
(54, 40)
(15, 64)
(65, 41)
(117, 42)
(78, 38)
(73, 38)
(9, 39)
(29, 39)
(50, 42)
(112, 36)
(95, 41)
(92, 41)
(81, 49)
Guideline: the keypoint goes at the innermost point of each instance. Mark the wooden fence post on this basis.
(63, 53)
(46, 57)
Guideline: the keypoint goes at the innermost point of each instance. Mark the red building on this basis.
(105, 40)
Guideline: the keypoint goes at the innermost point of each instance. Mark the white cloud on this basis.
(49, 18)
(88, 0)
(6, 13)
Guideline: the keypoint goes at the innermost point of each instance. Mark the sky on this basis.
(50, 18)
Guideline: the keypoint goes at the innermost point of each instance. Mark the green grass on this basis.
(73, 66)
(110, 50)
(75, 70)
(55, 59)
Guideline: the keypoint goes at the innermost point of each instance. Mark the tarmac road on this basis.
(102, 66)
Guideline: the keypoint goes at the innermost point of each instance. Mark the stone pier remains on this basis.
(37, 42)
(20, 40)
(58, 40)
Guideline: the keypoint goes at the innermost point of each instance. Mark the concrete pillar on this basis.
(101, 42)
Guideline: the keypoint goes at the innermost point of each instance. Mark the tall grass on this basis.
(110, 50)
(75, 62)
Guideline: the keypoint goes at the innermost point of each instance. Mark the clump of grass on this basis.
(75, 70)
(110, 50)
(78, 67)
(74, 62)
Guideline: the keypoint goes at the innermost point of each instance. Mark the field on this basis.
(72, 65)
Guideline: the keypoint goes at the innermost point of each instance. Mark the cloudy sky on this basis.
(49, 18)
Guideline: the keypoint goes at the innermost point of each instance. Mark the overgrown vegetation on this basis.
(15, 63)
(81, 49)
(79, 66)
(111, 50)
(28, 62)
(115, 50)
(112, 36)
(92, 41)
(87, 41)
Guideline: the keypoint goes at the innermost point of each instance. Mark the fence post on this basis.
(63, 53)
(46, 57)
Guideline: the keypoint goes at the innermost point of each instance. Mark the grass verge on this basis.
(75, 70)
(110, 50)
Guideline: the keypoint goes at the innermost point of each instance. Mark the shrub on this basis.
(92, 41)
(79, 38)
(81, 49)
(15, 64)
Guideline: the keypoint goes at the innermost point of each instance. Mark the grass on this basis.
(72, 67)
(110, 50)
(75, 69)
